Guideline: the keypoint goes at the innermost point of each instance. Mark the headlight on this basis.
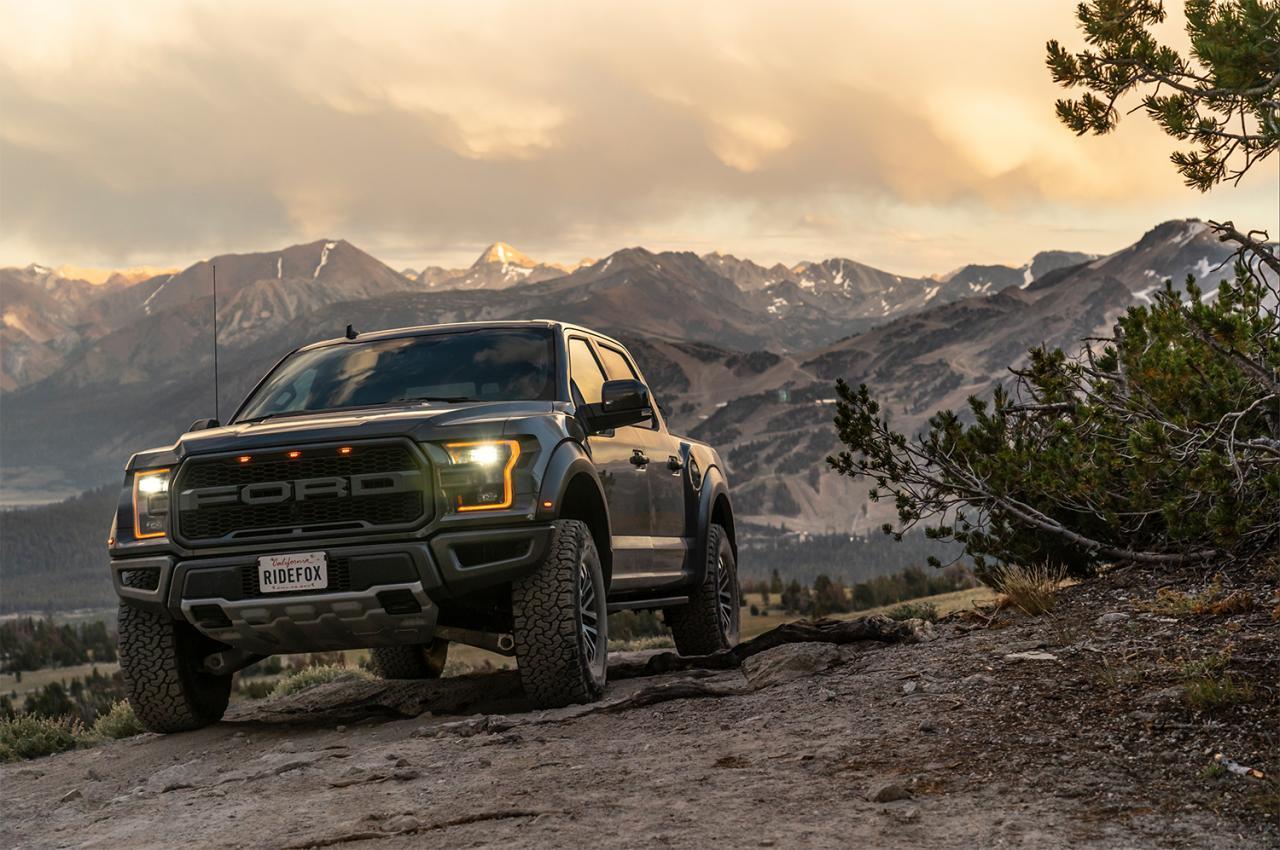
(479, 478)
(150, 503)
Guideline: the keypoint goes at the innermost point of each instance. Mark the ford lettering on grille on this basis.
(330, 487)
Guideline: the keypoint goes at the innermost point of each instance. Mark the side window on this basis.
(619, 369)
(584, 370)
(615, 365)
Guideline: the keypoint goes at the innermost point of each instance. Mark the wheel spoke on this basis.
(724, 596)
(589, 613)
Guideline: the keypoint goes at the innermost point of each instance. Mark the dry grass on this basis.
(1213, 601)
(1033, 590)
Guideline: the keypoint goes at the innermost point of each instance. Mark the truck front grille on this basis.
(227, 518)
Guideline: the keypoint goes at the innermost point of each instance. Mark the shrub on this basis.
(119, 722)
(309, 677)
(1158, 446)
(255, 688)
(914, 611)
(633, 625)
(29, 736)
(1031, 589)
(1213, 693)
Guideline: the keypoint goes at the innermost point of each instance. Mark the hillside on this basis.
(738, 352)
(1086, 729)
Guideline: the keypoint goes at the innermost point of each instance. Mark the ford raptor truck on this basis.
(501, 484)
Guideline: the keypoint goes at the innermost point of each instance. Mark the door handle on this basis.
(638, 458)
(674, 463)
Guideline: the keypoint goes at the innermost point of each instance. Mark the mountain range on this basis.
(743, 355)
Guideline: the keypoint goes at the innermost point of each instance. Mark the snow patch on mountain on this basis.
(146, 305)
(324, 258)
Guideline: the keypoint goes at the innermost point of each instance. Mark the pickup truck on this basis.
(504, 485)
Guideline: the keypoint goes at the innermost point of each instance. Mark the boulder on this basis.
(788, 662)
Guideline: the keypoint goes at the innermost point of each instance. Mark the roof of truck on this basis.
(425, 330)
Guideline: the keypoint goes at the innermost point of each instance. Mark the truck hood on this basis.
(418, 421)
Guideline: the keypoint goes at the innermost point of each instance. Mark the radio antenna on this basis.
(217, 414)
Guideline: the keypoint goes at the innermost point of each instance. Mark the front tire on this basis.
(711, 619)
(561, 622)
(162, 662)
(413, 661)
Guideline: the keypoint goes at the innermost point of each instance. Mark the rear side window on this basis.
(584, 370)
(615, 365)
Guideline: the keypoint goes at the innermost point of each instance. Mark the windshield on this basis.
(504, 364)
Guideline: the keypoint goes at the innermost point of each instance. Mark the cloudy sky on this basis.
(913, 136)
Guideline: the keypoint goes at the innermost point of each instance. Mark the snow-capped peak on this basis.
(501, 252)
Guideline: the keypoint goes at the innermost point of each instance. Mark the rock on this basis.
(788, 662)
(1112, 618)
(340, 728)
(1164, 696)
(928, 727)
(887, 792)
(908, 815)
(909, 688)
(402, 823)
(1031, 656)
(186, 775)
(73, 794)
(93, 775)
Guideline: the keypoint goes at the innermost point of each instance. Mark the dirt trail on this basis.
(986, 748)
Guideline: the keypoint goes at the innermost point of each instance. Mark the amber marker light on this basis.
(244, 458)
(345, 450)
(294, 455)
(548, 504)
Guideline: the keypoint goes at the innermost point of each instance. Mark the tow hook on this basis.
(229, 661)
(503, 644)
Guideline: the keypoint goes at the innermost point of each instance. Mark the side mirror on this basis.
(622, 403)
(204, 424)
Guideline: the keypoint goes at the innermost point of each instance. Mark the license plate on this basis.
(299, 571)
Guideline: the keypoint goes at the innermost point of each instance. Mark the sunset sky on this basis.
(912, 136)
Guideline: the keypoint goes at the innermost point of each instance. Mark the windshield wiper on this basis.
(451, 399)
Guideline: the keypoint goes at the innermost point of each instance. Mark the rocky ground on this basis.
(1094, 726)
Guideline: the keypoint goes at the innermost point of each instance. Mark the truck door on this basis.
(619, 456)
(666, 498)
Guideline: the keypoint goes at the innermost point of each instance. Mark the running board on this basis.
(638, 604)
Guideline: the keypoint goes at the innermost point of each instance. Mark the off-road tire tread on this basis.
(695, 626)
(545, 613)
(159, 662)
(411, 661)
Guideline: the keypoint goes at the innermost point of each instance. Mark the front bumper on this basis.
(378, 595)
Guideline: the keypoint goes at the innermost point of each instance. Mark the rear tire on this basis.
(710, 621)
(561, 622)
(413, 661)
(162, 662)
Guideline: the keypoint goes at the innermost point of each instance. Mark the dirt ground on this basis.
(1060, 731)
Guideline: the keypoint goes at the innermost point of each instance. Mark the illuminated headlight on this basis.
(479, 477)
(150, 503)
